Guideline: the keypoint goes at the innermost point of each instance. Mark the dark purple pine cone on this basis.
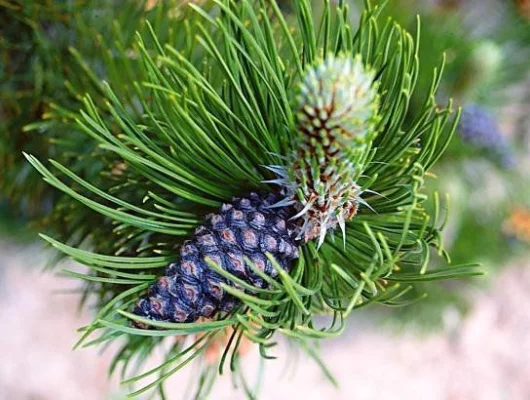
(247, 227)
(478, 127)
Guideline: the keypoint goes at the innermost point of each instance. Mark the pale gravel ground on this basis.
(484, 358)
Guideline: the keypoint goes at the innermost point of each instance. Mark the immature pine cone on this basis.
(247, 227)
(337, 114)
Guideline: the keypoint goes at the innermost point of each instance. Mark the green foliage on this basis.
(27, 77)
(487, 51)
(485, 45)
(193, 113)
(41, 82)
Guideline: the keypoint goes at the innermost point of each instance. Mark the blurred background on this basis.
(466, 339)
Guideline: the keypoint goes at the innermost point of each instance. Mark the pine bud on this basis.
(336, 118)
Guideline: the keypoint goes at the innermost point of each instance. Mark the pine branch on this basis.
(215, 111)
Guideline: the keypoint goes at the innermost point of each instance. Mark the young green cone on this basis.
(337, 114)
